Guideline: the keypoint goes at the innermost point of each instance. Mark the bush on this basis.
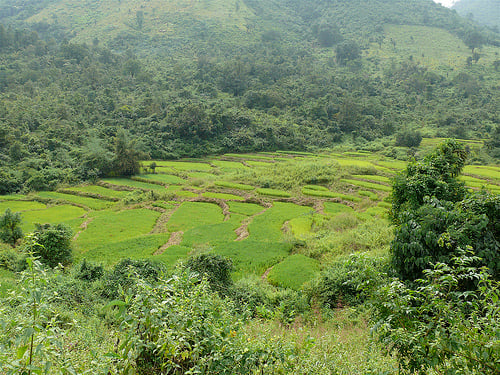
(10, 227)
(88, 271)
(11, 259)
(438, 327)
(216, 268)
(349, 282)
(52, 243)
(408, 138)
(124, 273)
(180, 326)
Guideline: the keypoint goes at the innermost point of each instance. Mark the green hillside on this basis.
(484, 12)
(197, 77)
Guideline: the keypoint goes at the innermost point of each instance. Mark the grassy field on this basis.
(252, 208)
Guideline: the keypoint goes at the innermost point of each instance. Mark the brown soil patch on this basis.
(265, 274)
(242, 230)
(83, 226)
(319, 207)
(161, 222)
(285, 228)
(175, 239)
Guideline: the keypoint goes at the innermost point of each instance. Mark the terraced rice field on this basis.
(255, 209)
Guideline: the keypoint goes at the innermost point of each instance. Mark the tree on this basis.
(435, 219)
(435, 176)
(10, 227)
(347, 51)
(52, 243)
(474, 39)
(152, 166)
(126, 160)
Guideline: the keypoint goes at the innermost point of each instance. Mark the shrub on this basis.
(179, 326)
(216, 268)
(12, 259)
(349, 281)
(88, 271)
(52, 243)
(10, 227)
(123, 275)
(436, 326)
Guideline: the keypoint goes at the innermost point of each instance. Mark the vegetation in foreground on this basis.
(209, 316)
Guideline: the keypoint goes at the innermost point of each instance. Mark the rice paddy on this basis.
(254, 208)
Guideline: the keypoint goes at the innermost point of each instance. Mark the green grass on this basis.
(167, 179)
(115, 226)
(393, 164)
(211, 234)
(184, 165)
(53, 215)
(99, 190)
(294, 271)
(232, 185)
(254, 163)
(316, 187)
(224, 196)
(330, 194)
(301, 226)
(19, 206)
(13, 197)
(336, 208)
(247, 209)
(192, 214)
(186, 194)
(201, 176)
(228, 165)
(267, 227)
(367, 185)
(92, 203)
(372, 177)
(7, 282)
(274, 192)
(250, 256)
(172, 255)
(492, 173)
(369, 194)
(135, 248)
(133, 184)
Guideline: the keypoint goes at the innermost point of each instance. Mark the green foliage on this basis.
(435, 176)
(124, 274)
(52, 243)
(31, 340)
(126, 158)
(434, 220)
(349, 281)
(88, 271)
(192, 214)
(215, 268)
(11, 259)
(293, 272)
(178, 326)
(408, 138)
(436, 326)
(10, 227)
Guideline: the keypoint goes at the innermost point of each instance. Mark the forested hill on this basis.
(484, 12)
(187, 78)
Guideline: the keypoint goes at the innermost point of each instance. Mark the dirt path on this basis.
(161, 222)
(242, 230)
(175, 239)
(83, 226)
(265, 274)
(319, 207)
(285, 228)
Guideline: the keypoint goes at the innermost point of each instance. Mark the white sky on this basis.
(446, 3)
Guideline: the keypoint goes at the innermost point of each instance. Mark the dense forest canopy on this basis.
(194, 78)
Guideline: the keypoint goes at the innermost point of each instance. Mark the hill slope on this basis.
(485, 12)
(187, 78)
